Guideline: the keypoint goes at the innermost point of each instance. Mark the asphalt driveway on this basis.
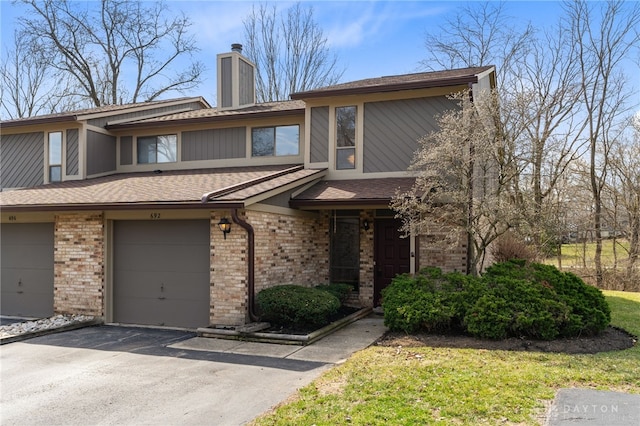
(121, 375)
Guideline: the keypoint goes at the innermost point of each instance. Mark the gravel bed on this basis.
(56, 321)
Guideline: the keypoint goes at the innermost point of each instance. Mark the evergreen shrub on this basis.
(511, 299)
(296, 306)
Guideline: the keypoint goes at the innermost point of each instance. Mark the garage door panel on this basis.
(27, 269)
(173, 284)
(162, 257)
(161, 272)
(151, 311)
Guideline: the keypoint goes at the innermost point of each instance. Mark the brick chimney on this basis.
(236, 79)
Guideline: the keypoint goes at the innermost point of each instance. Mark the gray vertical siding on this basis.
(225, 82)
(101, 153)
(392, 128)
(72, 152)
(319, 150)
(21, 160)
(126, 150)
(246, 83)
(214, 144)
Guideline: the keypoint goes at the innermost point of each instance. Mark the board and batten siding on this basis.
(126, 150)
(392, 129)
(22, 160)
(101, 153)
(72, 159)
(246, 88)
(225, 81)
(319, 143)
(214, 144)
(102, 121)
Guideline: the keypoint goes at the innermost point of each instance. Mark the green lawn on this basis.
(574, 253)
(384, 385)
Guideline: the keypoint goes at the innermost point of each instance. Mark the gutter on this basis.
(250, 264)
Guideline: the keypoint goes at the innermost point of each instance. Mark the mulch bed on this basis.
(611, 339)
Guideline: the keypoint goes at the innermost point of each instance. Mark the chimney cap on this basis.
(236, 47)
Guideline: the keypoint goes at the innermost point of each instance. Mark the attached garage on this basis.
(161, 272)
(26, 260)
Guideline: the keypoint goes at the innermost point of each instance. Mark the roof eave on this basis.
(340, 202)
(211, 119)
(414, 85)
(36, 121)
(190, 205)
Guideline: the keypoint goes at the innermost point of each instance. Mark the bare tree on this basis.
(96, 47)
(625, 164)
(478, 34)
(602, 43)
(27, 88)
(289, 50)
(546, 97)
(463, 178)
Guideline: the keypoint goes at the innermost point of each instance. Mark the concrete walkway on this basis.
(335, 348)
(588, 407)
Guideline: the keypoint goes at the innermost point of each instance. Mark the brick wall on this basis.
(288, 250)
(365, 295)
(228, 273)
(79, 258)
(444, 249)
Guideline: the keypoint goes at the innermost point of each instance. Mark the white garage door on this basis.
(161, 273)
(26, 259)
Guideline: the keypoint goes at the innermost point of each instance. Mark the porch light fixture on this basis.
(365, 224)
(225, 226)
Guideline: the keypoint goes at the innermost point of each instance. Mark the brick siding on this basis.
(79, 258)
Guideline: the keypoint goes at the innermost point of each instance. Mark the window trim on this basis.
(275, 141)
(355, 138)
(49, 164)
(156, 136)
(359, 141)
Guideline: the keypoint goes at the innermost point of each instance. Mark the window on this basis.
(55, 157)
(157, 149)
(278, 141)
(345, 250)
(345, 137)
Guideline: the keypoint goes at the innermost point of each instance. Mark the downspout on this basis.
(470, 200)
(250, 264)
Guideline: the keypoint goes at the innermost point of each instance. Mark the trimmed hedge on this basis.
(339, 290)
(296, 306)
(512, 299)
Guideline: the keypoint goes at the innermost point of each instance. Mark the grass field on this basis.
(442, 386)
(577, 254)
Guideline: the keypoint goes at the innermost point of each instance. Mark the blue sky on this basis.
(371, 38)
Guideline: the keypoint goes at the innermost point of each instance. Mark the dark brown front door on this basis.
(392, 255)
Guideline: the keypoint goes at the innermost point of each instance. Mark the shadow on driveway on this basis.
(150, 341)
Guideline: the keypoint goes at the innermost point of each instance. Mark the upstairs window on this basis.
(157, 149)
(55, 156)
(346, 137)
(275, 141)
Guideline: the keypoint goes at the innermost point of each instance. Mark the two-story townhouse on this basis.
(175, 213)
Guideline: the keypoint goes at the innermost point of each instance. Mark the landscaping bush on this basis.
(516, 307)
(339, 290)
(296, 306)
(513, 298)
(428, 300)
(589, 312)
(509, 247)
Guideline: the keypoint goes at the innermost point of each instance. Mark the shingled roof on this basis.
(102, 110)
(263, 110)
(361, 192)
(394, 83)
(206, 188)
